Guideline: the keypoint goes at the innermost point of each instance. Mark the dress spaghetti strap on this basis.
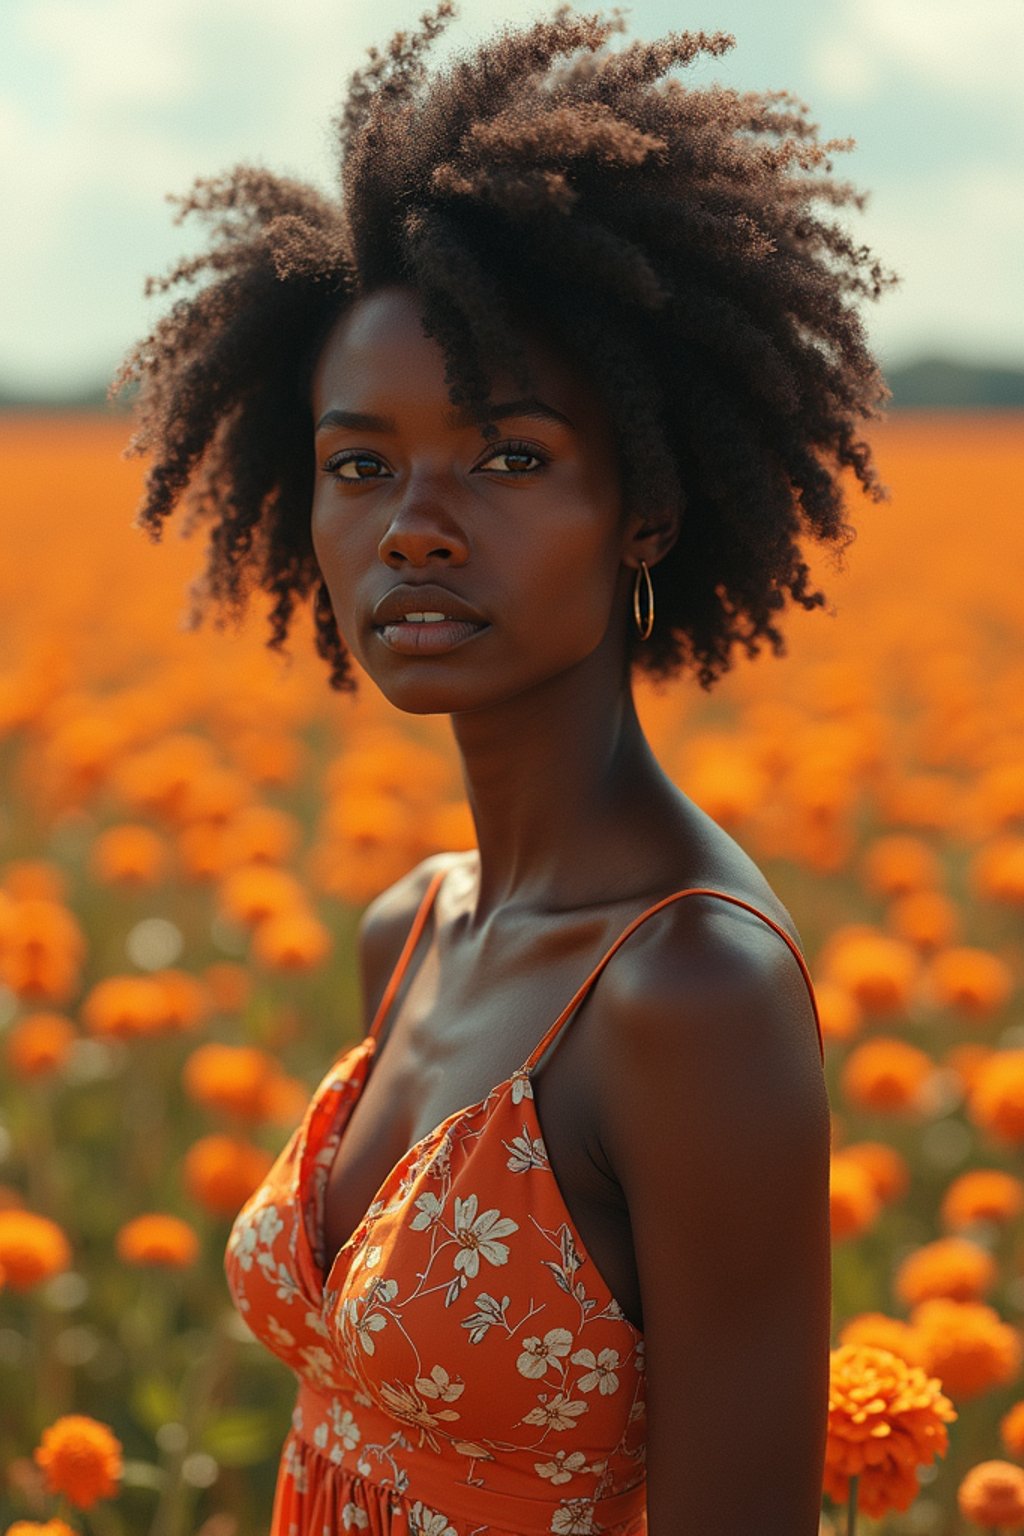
(696, 890)
(394, 982)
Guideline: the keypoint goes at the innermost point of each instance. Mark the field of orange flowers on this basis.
(189, 828)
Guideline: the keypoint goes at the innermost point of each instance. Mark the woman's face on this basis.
(521, 533)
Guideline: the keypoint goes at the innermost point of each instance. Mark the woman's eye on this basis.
(362, 463)
(514, 454)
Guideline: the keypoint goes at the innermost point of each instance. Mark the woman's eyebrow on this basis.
(361, 421)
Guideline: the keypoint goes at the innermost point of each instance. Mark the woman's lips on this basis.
(429, 639)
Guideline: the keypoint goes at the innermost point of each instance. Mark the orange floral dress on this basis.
(463, 1368)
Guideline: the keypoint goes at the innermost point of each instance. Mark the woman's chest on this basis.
(445, 1052)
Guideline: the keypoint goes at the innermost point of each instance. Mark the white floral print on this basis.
(601, 1371)
(478, 1236)
(539, 1354)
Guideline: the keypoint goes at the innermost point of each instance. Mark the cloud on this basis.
(944, 43)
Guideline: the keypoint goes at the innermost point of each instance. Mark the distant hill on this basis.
(940, 383)
(937, 383)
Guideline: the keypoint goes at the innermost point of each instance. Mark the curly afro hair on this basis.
(669, 237)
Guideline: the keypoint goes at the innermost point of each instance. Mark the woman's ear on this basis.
(649, 538)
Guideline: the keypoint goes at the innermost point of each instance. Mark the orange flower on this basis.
(992, 1494)
(201, 852)
(125, 1007)
(999, 794)
(129, 855)
(32, 1248)
(157, 779)
(928, 801)
(926, 919)
(221, 1172)
(1011, 1430)
(974, 981)
(967, 1344)
(899, 863)
(81, 1459)
(25, 878)
(885, 1418)
(230, 1078)
(839, 1011)
(228, 985)
(39, 1044)
(260, 834)
(155, 1239)
(853, 1199)
(34, 1528)
(886, 1076)
(285, 1100)
(965, 1060)
(997, 870)
(291, 941)
(883, 1332)
(185, 1002)
(254, 892)
(271, 761)
(984, 1194)
(41, 950)
(884, 1166)
(879, 971)
(995, 1100)
(950, 1266)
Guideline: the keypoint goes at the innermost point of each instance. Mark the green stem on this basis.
(851, 1511)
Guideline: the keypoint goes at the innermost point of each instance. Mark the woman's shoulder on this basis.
(385, 923)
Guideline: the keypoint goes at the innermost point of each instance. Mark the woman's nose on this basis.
(421, 531)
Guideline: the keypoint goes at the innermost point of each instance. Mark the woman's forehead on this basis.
(379, 345)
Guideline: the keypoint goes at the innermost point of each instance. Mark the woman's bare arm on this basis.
(716, 1125)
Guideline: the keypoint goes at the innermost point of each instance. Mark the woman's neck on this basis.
(565, 793)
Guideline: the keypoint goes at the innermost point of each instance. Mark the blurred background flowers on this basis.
(189, 828)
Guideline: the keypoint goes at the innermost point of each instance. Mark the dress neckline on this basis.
(367, 1049)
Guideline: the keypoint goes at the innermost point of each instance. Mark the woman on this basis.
(543, 402)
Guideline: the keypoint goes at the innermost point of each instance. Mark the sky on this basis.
(107, 105)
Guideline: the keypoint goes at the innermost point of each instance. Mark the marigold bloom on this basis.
(1011, 1430)
(202, 855)
(853, 1200)
(839, 1011)
(35, 1528)
(885, 1418)
(230, 1078)
(41, 949)
(81, 1459)
(879, 971)
(950, 1266)
(884, 1166)
(291, 941)
(968, 1344)
(898, 863)
(156, 1239)
(125, 1007)
(285, 1100)
(130, 855)
(997, 871)
(269, 760)
(157, 779)
(217, 795)
(25, 878)
(964, 1061)
(926, 919)
(999, 794)
(185, 1002)
(221, 1172)
(39, 1044)
(32, 1248)
(928, 801)
(983, 1194)
(973, 981)
(253, 893)
(886, 1076)
(260, 834)
(992, 1494)
(995, 1099)
(883, 1332)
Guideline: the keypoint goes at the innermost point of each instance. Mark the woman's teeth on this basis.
(424, 618)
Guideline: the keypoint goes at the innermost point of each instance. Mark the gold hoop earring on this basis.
(644, 626)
